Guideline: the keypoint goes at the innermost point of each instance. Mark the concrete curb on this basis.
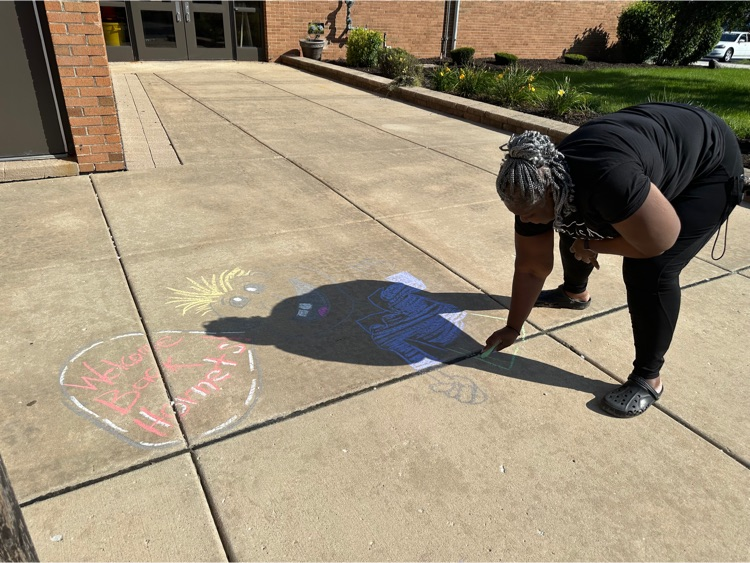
(479, 112)
(17, 170)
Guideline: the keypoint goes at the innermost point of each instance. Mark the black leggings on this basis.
(653, 284)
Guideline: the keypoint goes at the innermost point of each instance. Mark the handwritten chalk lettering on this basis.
(118, 368)
(158, 424)
(117, 383)
(118, 401)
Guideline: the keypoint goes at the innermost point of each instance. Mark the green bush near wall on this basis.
(362, 47)
(462, 56)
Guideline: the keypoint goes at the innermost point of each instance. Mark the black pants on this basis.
(653, 284)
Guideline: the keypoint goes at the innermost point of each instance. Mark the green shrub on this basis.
(362, 47)
(462, 56)
(505, 58)
(644, 31)
(573, 59)
(513, 87)
(400, 65)
(561, 99)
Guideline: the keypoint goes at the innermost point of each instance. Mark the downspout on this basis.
(446, 25)
(454, 33)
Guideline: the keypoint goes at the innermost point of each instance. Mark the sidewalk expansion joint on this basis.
(226, 545)
(668, 412)
(334, 190)
(391, 133)
(193, 449)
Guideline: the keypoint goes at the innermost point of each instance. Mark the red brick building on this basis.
(58, 104)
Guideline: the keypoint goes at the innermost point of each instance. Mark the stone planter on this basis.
(312, 48)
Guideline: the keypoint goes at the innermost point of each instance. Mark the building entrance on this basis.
(184, 30)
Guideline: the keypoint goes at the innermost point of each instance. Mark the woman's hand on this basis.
(584, 254)
(501, 339)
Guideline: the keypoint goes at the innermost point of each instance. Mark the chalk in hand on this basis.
(488, 351)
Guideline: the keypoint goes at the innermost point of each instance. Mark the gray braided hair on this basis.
(533, 164)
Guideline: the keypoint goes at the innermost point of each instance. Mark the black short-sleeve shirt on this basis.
(613, 160)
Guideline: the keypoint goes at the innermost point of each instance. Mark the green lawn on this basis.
(724, 91)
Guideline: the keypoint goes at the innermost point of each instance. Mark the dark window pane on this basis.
(115, 26)
(209, 30)
(248, 29)
(158, 29)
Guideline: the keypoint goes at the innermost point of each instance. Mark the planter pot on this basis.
(312, 48)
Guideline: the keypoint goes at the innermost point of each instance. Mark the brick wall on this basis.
(81, 56)
(539, 29)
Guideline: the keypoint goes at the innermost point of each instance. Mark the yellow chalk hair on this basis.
(202, 295)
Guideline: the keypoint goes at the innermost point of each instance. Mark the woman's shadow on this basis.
(384, 323)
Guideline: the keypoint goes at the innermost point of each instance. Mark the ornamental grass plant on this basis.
(514, 87)
(398, 64)
(561, 99)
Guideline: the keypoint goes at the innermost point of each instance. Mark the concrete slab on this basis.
(737, 254)
(701, 377)
(157, 88)
(306, 317)
(46, 223)
(81, 377)
(235, 86)
(215, 140)
(194, 205)
(476, 241)
(398, 182)
(404, 473)
(177, 66)
(295, 114)
(157, 513)
(374, 104)
(303, 137)
(320, 89)
(484, 155)
(274, 73)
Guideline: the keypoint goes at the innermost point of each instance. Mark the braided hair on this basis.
(533, 164)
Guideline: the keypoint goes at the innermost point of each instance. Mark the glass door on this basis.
(207, 29)
(183, 30)
(159, 31)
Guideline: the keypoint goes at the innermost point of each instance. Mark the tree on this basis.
(677, 32)
(697, 27)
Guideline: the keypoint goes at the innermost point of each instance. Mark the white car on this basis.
(732, 44)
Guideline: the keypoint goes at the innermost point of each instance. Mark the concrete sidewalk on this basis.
(258, 343)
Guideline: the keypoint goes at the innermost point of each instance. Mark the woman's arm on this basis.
(648, 232)
(534, 262)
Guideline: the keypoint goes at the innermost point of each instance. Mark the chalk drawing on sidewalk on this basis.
(408, 323)
(458, 387)
(239, 292)
(213, 380)
(400, 316)
(232, 288)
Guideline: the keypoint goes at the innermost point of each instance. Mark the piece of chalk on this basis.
(488, 351)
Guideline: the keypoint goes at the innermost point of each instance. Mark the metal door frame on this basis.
(179, 52)
(183, 22)
(53, 91)
(196, 53)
